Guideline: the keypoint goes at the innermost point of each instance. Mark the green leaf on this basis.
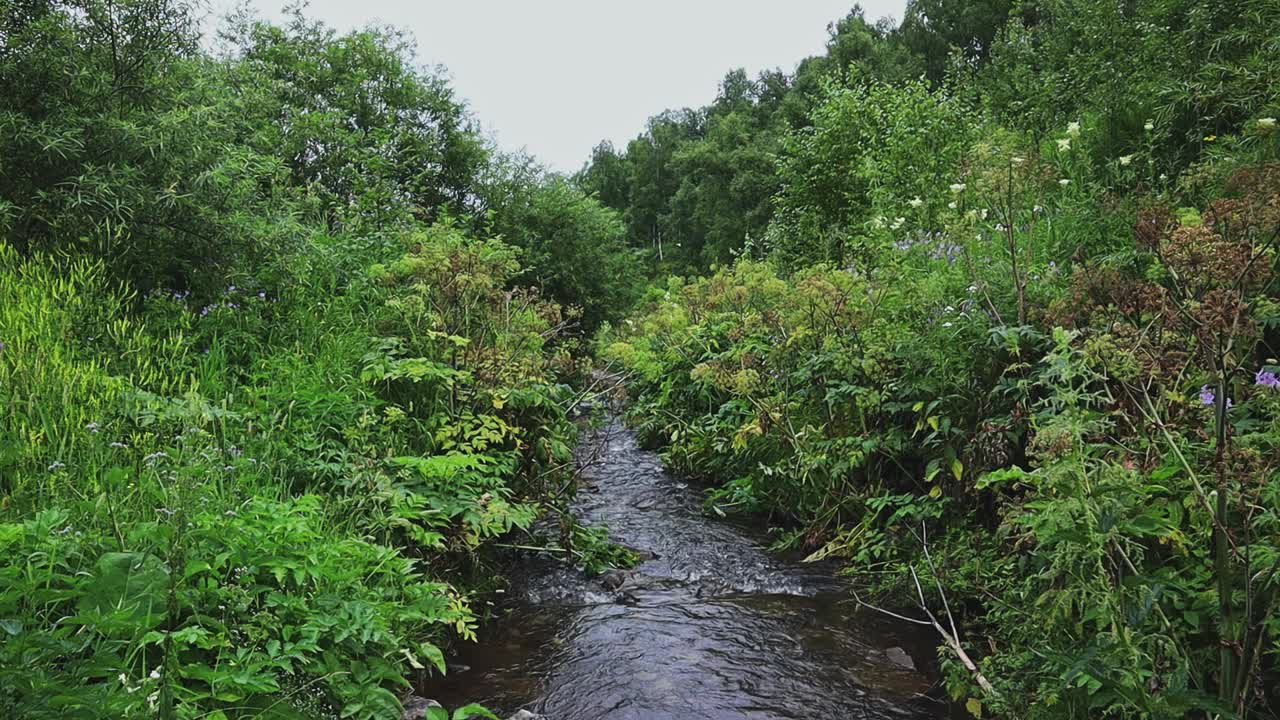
(472, 710)
(128, 592)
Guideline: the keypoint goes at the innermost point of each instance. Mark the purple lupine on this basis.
(1266, 378)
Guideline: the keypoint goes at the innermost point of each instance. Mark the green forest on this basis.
(982, 304)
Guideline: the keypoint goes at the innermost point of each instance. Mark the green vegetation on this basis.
(270, 384)
(1015, 307)
(985, 303)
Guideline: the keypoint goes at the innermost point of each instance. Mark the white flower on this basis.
(1267, 123)
(155, 674)
(947, 324)
(123, 679)
(1018, 159)
(957, 187)
(1149, 126)
(915, 202)
(1064, 144)
(949, 309)
(1064, 182)
(973, 289)
(1163, 176)
(952, 205)
(983, 214)
(897, 223)
(1073, 129)
(877, 222)
(1126, 159)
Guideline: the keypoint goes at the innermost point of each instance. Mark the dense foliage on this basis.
(270, 389)
(1019, 313)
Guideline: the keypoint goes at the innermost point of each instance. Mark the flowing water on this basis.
(711, 626)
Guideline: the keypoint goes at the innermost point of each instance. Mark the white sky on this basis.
(555, 77)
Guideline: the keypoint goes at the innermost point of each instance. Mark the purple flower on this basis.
(1267, 378)
(1207, 397)
(1, 346)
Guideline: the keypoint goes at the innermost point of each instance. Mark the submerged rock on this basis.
(899, 657)
(526, 715)
(613, 579)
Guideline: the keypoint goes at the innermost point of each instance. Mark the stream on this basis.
(710, 626)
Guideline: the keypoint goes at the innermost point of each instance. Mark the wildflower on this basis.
(915, 202)
(262, 296)
(1267, 378)
(1267, 123)
(957, 187)
(1, 346)
(1018, 159)
(1064, 144)
(204, 311)
(1064, 182)
(973, 289)
(1208, 397)
(983, 214)
(155, 457)
(877, 222)
(952, 205)
(231, 289)
(1163, 176)
(947, 324)
(1126, 159)
(1210, 138)
(897, 223)
(949, 309)
(117, 445)
(1073, 129)
(1149, 126)
(123, 680)
(93, 427)
(155, 674)
(56, 465)
(1038, 209)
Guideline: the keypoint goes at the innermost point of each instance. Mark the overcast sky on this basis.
(557, 76)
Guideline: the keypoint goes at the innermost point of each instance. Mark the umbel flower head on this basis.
(1073, 129)
(1064, 144)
